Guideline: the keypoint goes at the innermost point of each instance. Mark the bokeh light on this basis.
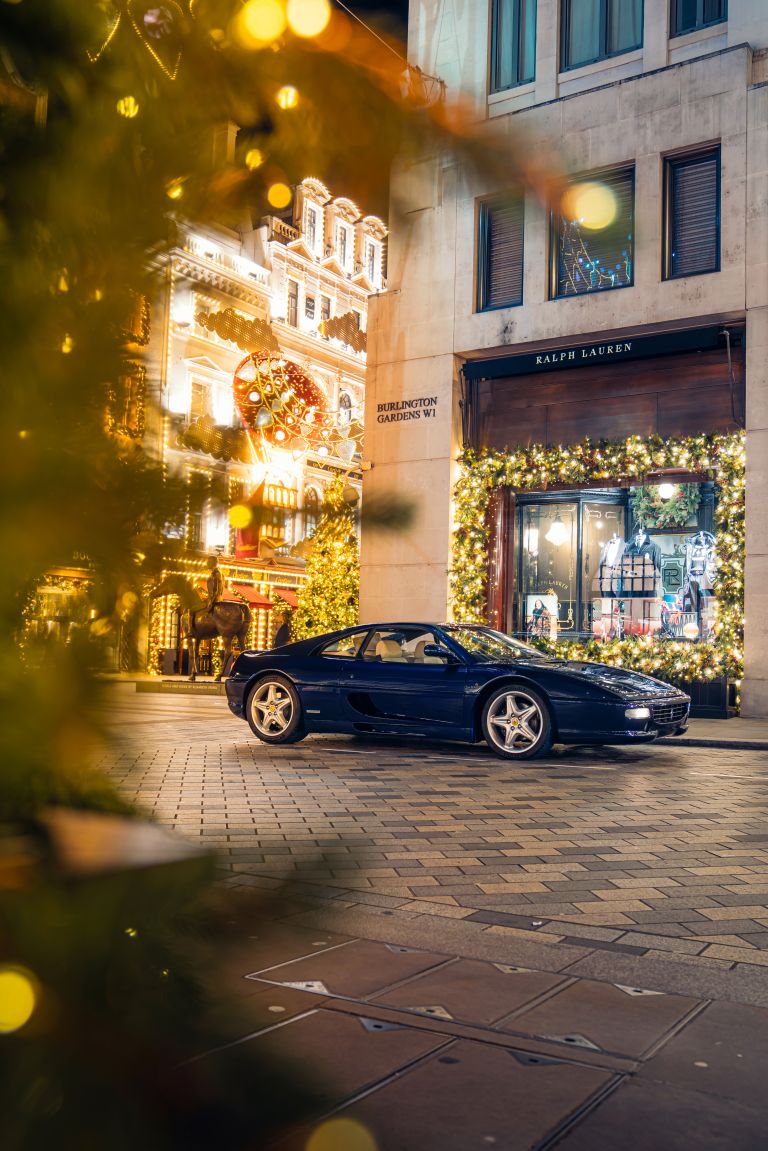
(308, 17)
(287, 97)
(18, 998)
(592, 204)
(128, 107)
(341, 1135)
(175, 190)
(67, 344)
(254, 158)
(240, 516)
(260, 22)
(279, 195)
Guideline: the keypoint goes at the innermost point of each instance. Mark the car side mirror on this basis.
(437, 650)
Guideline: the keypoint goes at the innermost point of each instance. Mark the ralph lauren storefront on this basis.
(610, 475)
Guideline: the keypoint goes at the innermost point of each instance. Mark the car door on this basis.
(323, 675)
(393, 685)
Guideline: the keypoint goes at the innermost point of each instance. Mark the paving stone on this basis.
(609, 1017)
(642, 1116)
(472, 992)
(357, 969)
(452, 1100)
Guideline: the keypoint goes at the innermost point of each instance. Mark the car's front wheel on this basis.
(516, 722)
(274, 711)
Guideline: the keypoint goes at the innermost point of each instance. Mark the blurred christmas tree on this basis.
(329, 599)
(116, 116)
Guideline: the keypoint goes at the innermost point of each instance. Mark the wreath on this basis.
(651, 510)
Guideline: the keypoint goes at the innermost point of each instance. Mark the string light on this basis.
(718, 457)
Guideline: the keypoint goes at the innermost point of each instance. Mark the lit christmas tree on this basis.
(329, 599)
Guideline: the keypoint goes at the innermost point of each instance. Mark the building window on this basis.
(594, 260)
(595, 29)
(345, 248)
(325, 309)
(309, 307)
(370, 254)
(311, 512)
(690, 15)
(293, 303)
(345, 410)
(513, 43)
(500, 254)
(311, 227)
(692, 231)
(199, 400)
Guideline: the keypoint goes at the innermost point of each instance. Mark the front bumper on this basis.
(610, 725)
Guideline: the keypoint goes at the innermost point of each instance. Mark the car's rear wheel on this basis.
(274, 711)
(516, 722)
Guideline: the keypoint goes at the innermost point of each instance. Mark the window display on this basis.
(582, 571)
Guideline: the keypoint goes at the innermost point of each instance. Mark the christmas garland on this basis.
(651, 510)
(535, 467)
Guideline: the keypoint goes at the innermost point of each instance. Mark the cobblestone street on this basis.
(611, 862)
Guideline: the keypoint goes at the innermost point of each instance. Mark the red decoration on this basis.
(280, 404)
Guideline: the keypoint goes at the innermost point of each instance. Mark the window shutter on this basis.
(695, 238)
(502, 281)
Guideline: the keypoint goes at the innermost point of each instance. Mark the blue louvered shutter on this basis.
(501, 239)
(694, 206)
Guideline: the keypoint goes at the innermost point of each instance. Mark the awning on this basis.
(255, 598)
(289, 596)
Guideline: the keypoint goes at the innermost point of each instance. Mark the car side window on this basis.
(346, 647)
(401, 645)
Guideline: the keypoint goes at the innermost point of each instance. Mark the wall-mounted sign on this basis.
(609, 350)
(396, 411)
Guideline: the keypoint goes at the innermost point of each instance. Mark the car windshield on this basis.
(488, 646)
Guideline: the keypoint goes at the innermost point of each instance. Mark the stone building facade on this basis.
(662, 101)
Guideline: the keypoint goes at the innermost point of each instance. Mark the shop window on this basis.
(513, 43)
(692, 208)
(641, 562)
(292, 315)
(500, 254)
(596, 29)
(690, 15)
(548, 578)
(589, 259)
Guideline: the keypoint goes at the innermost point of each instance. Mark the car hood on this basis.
(618, 679)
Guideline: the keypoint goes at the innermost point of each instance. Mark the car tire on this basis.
(274, 711)
(516, 722)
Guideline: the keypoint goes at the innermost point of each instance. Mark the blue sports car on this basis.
(447, 681)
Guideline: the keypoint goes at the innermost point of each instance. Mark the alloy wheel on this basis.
(515, 722)
(272, 708)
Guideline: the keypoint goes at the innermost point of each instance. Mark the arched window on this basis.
(311, 511)
(345, 410)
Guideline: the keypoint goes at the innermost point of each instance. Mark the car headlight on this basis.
(638, 713)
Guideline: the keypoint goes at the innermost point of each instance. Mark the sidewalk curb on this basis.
(703, 741)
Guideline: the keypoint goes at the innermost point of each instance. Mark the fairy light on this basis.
(287, 97)
(536, 467)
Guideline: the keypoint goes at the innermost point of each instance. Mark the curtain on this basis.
(625, 25)
(583, 36)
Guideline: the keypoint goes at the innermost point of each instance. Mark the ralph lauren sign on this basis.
(610, 350)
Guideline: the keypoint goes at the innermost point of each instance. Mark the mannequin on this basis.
(700, 569)
(609, 570)
(640, 566)
(642, 545)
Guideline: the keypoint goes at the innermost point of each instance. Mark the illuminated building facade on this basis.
(258, 353)
(630, 310)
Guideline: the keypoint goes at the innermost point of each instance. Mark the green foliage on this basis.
(329, 599)
(651, 510)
